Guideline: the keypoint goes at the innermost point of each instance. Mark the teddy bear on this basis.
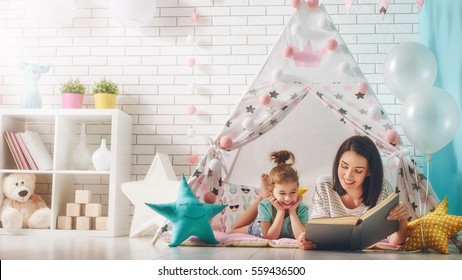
(22, 208)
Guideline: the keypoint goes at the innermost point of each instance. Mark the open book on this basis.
(349, 233)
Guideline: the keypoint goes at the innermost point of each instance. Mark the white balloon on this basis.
(430, 118)
(407, 66)
(54, 13)
(133, 13)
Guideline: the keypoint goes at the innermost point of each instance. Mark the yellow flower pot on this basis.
(105, 100)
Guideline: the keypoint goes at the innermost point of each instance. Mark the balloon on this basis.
(430, 118)
(409, 65)
(54, 13)
(133, 13)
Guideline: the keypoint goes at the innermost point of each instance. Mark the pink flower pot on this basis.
(72, 100)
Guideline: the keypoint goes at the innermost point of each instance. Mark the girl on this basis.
(355, 186)
(279, 210)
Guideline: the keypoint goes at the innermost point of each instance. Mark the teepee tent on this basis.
(308, 97)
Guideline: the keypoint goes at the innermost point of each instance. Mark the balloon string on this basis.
(428, 159)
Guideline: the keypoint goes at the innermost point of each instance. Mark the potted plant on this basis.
(105, 93)
(72, 92)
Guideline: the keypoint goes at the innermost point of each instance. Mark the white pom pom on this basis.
(344, 67)
(374, 112)
(215, 165)
(191, 132)
(248, 123)
(277, 74)
(192, 86)
(296, 29)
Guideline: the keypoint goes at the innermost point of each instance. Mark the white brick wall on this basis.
(149, 62)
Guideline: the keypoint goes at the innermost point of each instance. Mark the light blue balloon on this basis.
(409, 65)
(430, 118)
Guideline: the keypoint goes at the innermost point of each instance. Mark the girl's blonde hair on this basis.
(283, 172)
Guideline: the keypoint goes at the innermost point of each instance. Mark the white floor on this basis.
(18, 247)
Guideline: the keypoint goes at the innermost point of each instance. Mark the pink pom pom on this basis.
(332, 44)
(195, 17)
(288, 51)
(264, 99)
(210, 198)
(295, 4)
(226, 142)
(191, 62)
(392, 136)
(193, 159)
(313, 3)
(191, 109)
(362, 87)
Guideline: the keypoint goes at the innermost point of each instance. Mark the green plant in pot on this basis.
(72, 92)
(105, 93)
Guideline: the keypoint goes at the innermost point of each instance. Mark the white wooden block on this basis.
(83, 223)
(82, 196)
(64, 222)
(73, 209)
(101, 223)
(93, 209)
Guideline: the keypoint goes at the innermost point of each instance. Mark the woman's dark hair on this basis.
(283, 171)
(372, 185)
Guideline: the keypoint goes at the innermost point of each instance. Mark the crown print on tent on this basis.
(308, 57)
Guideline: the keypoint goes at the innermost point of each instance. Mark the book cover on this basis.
(22, 158)
(353, 233)
(12, 150)
(25, 151)
(39, 152)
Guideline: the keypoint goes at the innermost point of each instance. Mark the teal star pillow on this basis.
(189, 216)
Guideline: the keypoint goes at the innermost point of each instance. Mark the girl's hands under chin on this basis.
(293, 208)
(275, 203)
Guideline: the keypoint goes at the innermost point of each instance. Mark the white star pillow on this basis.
(159, 186)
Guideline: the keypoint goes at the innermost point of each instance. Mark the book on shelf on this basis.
(25, 150)
(350, 233)
(37, 150)
(13, 151)
(22, 158)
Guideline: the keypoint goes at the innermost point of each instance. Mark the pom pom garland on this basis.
(226, 142)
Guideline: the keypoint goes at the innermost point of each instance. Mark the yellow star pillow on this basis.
(433, 230)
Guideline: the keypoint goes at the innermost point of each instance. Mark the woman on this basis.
(356, 185)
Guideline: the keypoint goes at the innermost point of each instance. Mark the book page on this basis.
(379, 206)
(342, 220)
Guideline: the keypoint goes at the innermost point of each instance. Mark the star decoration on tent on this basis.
(250, 109)
(160, 185)
(360, 95)
(433, 230)
(189, 216)
(274, 94)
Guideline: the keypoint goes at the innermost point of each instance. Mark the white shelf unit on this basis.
(59, 130)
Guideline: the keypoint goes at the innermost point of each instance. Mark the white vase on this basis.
(102, 157)
(81, 158)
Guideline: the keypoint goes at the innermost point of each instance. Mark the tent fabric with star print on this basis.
(319, 97)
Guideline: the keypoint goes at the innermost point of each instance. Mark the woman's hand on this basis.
(399, 212)
(305, 244)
